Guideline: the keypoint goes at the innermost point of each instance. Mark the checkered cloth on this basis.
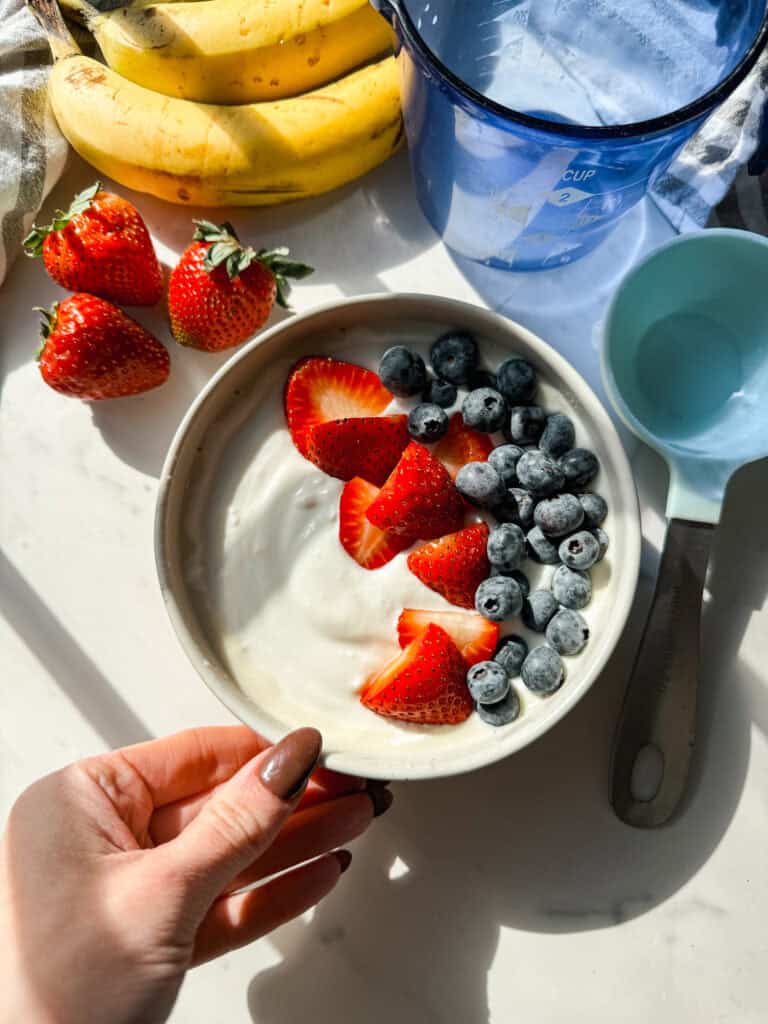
(717, 179)
(32, 150)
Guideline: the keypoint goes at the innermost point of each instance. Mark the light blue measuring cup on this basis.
(685, 363)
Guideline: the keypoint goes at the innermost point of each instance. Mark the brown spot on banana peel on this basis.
(85, 76)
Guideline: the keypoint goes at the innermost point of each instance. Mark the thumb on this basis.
(242, 818)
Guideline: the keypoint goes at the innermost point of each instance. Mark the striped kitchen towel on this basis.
(32, 150)
(717, 179)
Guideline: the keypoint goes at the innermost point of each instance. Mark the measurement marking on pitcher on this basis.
(567, 196)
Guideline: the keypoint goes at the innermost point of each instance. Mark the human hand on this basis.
(121, 871)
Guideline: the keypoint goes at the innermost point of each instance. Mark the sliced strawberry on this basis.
(419, 499)
(368, 545)
(366, 446)
(475, 636)
(461, 445)
(426, 683)
(320, 389)
(454, 565)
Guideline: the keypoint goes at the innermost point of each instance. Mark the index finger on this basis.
(192, 761)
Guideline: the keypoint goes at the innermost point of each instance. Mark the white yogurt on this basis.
(298, 623)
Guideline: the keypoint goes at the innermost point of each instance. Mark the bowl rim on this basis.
(450, 311)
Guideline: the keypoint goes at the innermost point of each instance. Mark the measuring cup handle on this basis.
(389, 9)
(658, 718)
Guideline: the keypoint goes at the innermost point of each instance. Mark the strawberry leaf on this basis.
(33, 243)
(83, 200)
(283, 269)
(47, 324)
(207, 231)
(225, 249)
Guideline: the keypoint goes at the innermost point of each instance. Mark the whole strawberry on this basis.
(102, 246)
(92, 350)
(221, 291)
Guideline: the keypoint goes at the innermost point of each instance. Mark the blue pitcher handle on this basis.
(389, 9)
(758, 162)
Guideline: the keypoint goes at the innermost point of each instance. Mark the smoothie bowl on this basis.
(320, 550)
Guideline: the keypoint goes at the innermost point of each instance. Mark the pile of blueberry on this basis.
(534, 487)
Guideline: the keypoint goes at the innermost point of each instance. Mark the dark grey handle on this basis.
(658, 718)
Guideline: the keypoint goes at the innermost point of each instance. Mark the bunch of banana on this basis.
(250, 154)
(236, 51)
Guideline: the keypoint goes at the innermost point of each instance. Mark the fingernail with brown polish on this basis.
(286, 771)
(381, 799)
(344, 857)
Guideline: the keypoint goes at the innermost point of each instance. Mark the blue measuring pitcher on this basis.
(535, 125)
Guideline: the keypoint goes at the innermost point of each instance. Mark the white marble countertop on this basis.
(509, 894)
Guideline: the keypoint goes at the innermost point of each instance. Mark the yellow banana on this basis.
(250, 155)
(238, 51)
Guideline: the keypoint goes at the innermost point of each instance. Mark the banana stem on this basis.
(60, 39)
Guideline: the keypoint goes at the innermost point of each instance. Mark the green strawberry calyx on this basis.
(33, 243)
(225, 249)
(47, 324)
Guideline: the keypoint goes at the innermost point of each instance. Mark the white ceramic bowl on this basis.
(331, 330)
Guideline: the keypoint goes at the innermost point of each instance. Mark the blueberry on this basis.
(538, 609)
(454, 356)
(572, 587)
(427, 422)
(602, 539)
(595, 508)
(559, 435)
(440, 392)
(484, 410)
(526, 424)
(504, 460)
(579, 466)
(402, 371)
(498, 598)
(511, 653)
(543, 671)
(517, 381)
(567, 632)
(579, 551)
(558, 516)
(506, 547)
(501, 713)
(488, 682)
(540, 548)
(525, 506)
(540, 474)
(480, 483)
(521, 579)
(482, 379)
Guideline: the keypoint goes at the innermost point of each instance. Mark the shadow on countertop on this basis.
(531, 843)
(75, 673)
